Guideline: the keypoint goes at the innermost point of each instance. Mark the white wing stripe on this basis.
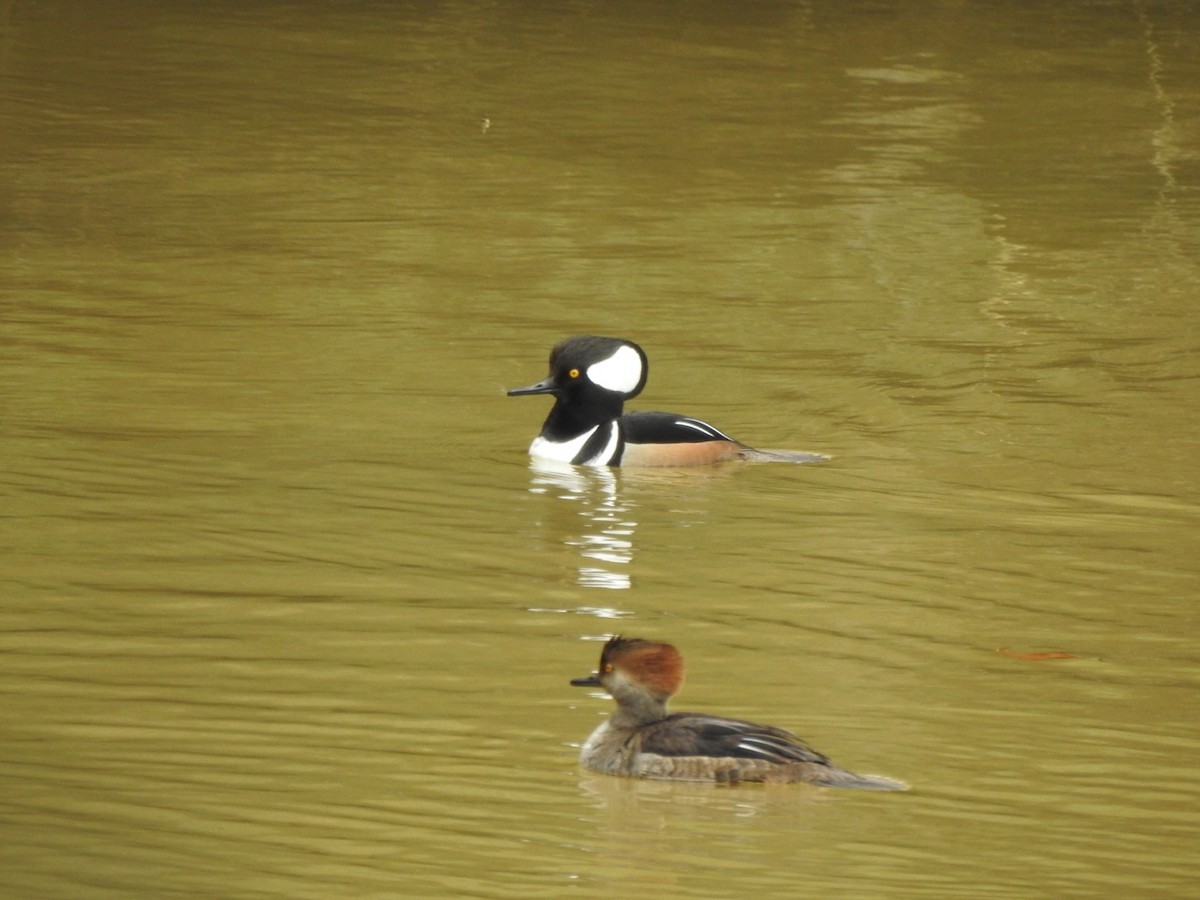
(702, 427)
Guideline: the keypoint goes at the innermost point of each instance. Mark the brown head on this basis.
(630, 667)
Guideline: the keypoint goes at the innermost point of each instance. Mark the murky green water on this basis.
(287, 613)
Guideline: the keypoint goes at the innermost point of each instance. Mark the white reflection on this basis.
(601, 532)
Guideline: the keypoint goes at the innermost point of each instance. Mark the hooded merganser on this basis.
(643, 741)
(591, 378)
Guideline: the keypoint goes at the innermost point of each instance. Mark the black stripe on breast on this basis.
(596, 444)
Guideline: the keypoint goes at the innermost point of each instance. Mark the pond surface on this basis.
(286, 610)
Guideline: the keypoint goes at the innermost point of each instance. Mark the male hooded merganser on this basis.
(641, 739)
(591, 378)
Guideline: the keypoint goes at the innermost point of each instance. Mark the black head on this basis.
(591, 366)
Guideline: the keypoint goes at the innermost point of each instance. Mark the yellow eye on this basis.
(574, 373)
(606, 668)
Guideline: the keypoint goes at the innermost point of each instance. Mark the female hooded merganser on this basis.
(641, 739)
(591, 378)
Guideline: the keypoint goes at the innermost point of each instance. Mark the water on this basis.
(286, 612)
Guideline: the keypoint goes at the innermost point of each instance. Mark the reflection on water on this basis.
(270, 551)
(605, 541)
(599, 529)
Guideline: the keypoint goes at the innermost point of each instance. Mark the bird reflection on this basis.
(601, 530)
(597, 520)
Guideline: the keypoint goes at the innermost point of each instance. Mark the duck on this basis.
(641, 739)
(591, 377)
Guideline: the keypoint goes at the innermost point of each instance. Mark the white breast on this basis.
(559, 451)
(566, 451)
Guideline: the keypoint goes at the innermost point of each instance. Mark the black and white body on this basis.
(591, 378)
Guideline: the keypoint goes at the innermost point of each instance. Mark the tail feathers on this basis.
(821, 774)
(835, 777)
(789, 456)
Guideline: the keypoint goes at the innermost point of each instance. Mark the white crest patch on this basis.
(621, 372)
